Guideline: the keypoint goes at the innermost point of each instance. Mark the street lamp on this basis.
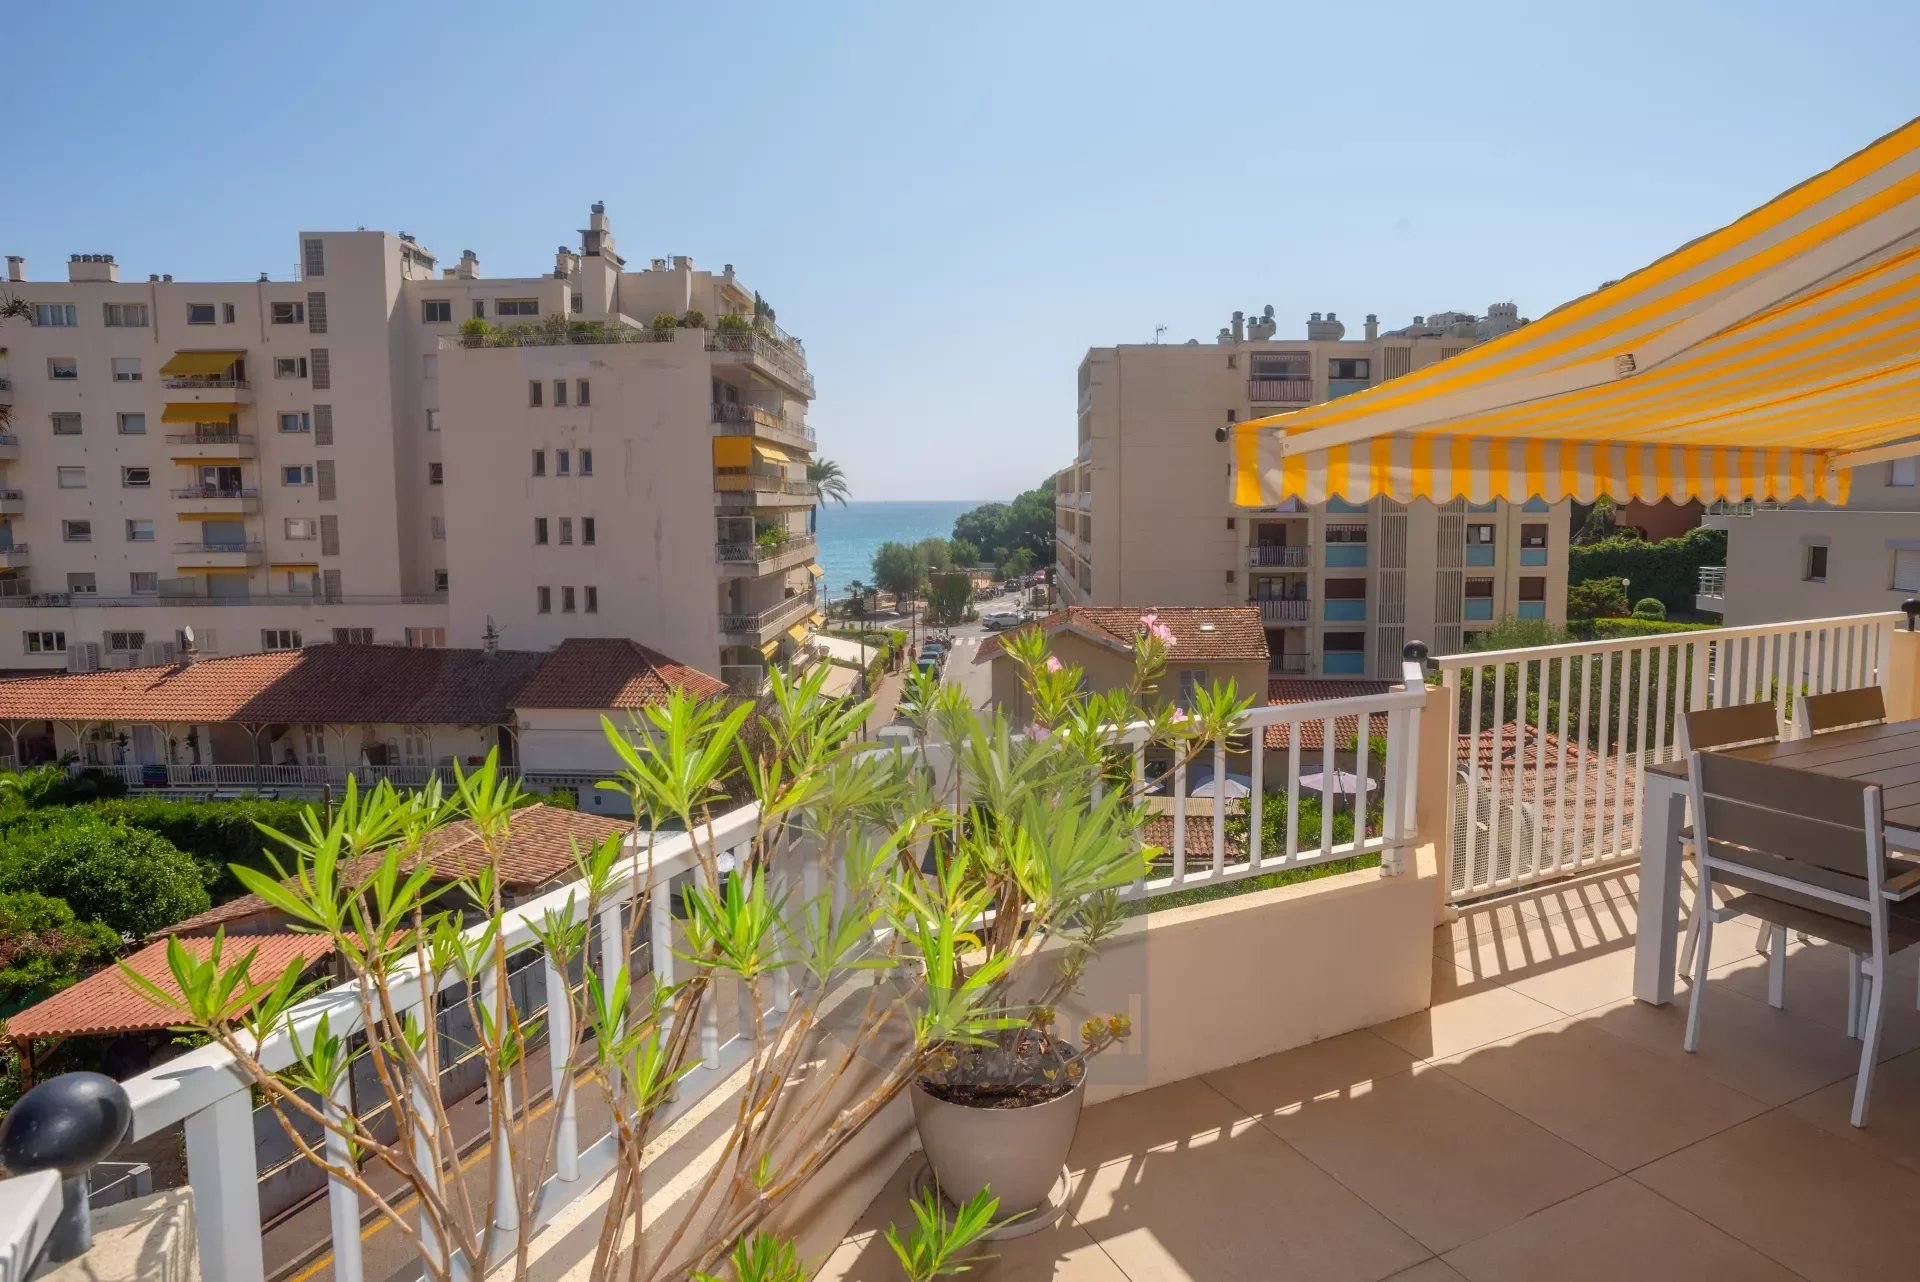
(858, 606)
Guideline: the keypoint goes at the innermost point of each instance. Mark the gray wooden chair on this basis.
(1843, 709)
(1737, 725)
(1808, 854)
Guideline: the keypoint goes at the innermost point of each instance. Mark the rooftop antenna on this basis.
(1158, 330)
(490, 639)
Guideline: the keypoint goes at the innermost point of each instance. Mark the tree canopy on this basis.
(44, 947)
(997, 530)
(133, 880)
(896, 569)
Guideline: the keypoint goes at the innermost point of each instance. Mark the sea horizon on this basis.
(849, 535)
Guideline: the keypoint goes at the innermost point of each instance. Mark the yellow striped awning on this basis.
(770, 453)
(770, 649)
(1763, 360)
(816, 618)
(816, 571)
(209, 364)
(195, 412)
(798, 633)
(732, 451)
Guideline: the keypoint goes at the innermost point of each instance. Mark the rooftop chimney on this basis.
(1373, 327)
(1239, 327)
(1325, 331)
(682, 263)
(469, 265)
(16, 267)
(167, 278)
(153, 278)
(92, 267)
(263, 278)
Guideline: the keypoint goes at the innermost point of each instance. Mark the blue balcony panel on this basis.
(1532, 610)
(1344, 663)
(1479, 610)
(1346, 555)
(1346, 611)
(1480, 554)
(1533, 556)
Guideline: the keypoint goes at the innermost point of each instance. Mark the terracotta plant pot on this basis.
(1017, 1152)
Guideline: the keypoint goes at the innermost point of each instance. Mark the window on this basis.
(566, 601)
(535, 390)
(593, 599)
(1903, 471)
(66, 424)
(77, 531)
(1281, 365)
(280, 639)
(44, 642)
(1533, 535)
(56, 315)
(430, 366)
(439, 527)
(1480, 535)
(517, 307)
(539, 530)
(586, 462)
(313, 257)
(143, 583)
(72, 478)
(585, 396)
(559, 391)
(133, 424)
(313, 739)
(296, 421)
(1906, 569)
(436, 311)
(63, 369)
(1815, 570)
(1533, 588)
(289, 367)
(286, 313)
(136, 478)
(439, 580)
(1346, 534)
(200, 314)
(539, 462)
(433, 420)
(436, 474)
(353, 636)
(226, 313)
(1349, 367)
(126, 642)
(300, 582)
(1479, 589)
(1344, 642)
(300, 527)
(139, 531)
(1346, 589)
(479, 309)
(316, 313)
(426, 638)
(543, 600)
(297, 474)
(126, 315)
(562, 462)
(126, 369)
(586, 530)
(566, 529)
(81, 584)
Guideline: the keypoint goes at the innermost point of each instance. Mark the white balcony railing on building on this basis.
(1553, 742)
(758, 552)
(1271, 556)
(745, 420)
(1713, 580)
(788, 611)
(200, 1091)
(1276, 611)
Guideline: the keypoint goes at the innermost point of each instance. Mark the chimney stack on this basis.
(1239, 327)
(1373, 327)
(16, 268)
(92, 268)
(469, 265)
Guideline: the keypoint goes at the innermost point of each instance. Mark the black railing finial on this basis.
(1911, 608)
(66, 1124)
(1416, 652)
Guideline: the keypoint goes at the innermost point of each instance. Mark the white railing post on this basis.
(224, 1174)
(343, 1203)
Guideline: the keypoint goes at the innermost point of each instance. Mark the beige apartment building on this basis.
(1808, 561)
(328, 458)
(1145, 517)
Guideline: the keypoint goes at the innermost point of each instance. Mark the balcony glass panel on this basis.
(1532, 610)
(1479, 610)
(1480, 555)
(1533, 556)
(1346, 555)
(1337, 387)
(1346, 663)
(1344, 505)
(1346, 611)
(1534, 504)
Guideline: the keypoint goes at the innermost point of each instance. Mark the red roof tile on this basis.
(1158, 831)
(539, 849)
(1201, 634)
(105, 1002)
(1285, 690)
(611, 672)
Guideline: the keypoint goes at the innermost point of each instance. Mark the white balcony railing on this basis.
(1713, 580)
(1275, 611)
(200, 1090)
(1553, 741)
(1269, 556)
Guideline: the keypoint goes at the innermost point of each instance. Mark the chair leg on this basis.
(1869, 1048)
(1853, 994)
(1777, 968)
(1702, 952)
(1690, 941)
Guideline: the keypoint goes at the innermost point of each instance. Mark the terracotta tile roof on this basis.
(1158, 831)
(539, 849)
(105, 1002)
(611, 673)
(1201, 634)
(1285, 690)
(321, 683)
(1594, 775)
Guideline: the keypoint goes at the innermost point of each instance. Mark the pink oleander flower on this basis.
(1179, 715)
(1148, 620)
(1036, 733)
(1053, 664)
(1163, 633)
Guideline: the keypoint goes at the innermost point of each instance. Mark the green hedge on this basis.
(216, 833)
(133, 880)
(1668, 570)
(1618, 629)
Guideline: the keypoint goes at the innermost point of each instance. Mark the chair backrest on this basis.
(1733, 726)
(1792, 830)
(1843, 708)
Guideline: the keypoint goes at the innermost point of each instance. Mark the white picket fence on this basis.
(1554, 741)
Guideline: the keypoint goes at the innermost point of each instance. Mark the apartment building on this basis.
(1144, 513)
(1806, 561)
(335, 458)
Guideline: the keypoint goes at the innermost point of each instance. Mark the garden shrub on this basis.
(132, 880)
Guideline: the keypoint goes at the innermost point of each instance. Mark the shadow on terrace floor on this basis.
(1536, 1123)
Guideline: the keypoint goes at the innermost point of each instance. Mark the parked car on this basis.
(1000, 619)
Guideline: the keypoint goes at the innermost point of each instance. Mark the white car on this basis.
(999, 619)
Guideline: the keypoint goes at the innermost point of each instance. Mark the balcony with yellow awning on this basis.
(1762, 361)
(215, 375)
(751, 473)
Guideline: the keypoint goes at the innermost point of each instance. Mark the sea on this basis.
(849, 535)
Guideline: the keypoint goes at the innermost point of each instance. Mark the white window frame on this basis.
(82, 583)
(193, 313)
(76, 529)
(63, 369)
(287, 313)
(426, 638)
(136, 478)
(301, 421)
(289, 367)
(302, 472)
(301, 528)
(56, 315)
(436, 311)
(64, 475)
(124, 315)
(132, 416)
(151, 580)
(1904, 473)
(126, 369)
(60, 417)
(133, 529)
(44, 641)
(516, 307)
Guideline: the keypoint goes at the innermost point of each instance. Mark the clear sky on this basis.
(951, 203)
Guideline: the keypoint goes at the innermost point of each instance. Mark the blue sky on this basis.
(952, 203)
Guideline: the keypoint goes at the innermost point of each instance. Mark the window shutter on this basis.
(323, 475)
(322, 369)
(316, 313)
(313, 257)
(323, 425)
(329, 536)
(330, 585)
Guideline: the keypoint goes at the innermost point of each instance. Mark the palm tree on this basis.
(826, 474)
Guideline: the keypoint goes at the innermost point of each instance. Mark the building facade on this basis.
(1144, 513)
(1810, 561)
(335, 458)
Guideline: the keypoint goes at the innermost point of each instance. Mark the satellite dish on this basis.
(186, 638)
